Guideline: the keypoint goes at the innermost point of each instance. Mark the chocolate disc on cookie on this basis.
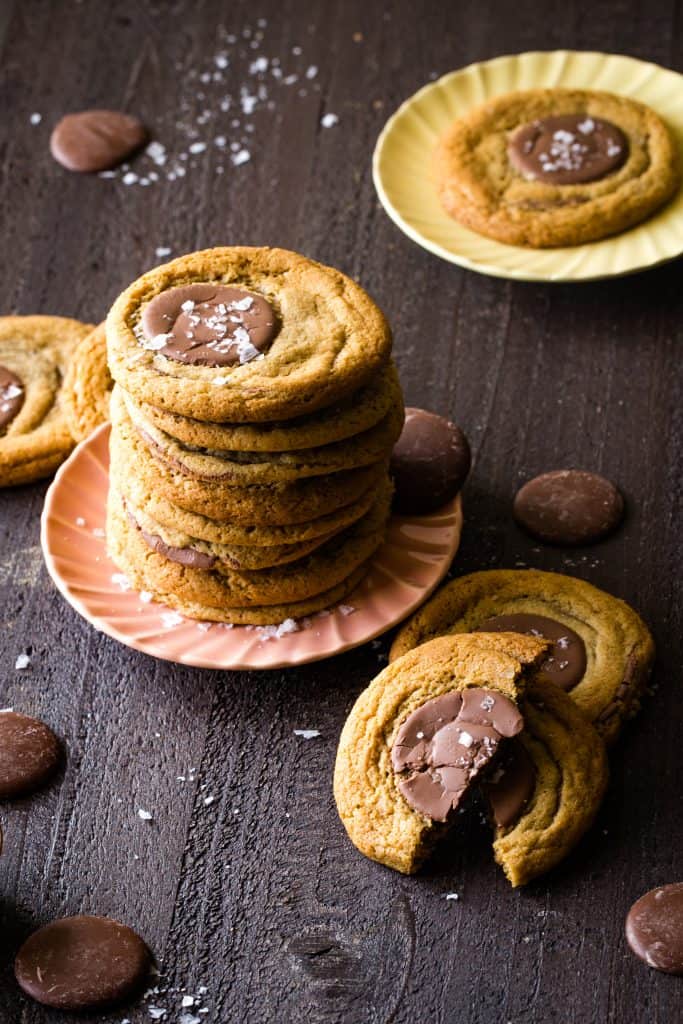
(209, 325)
(429, 463)
(568, 149)
(81, 963)
(568, 506)
(12, 395)
(30, 754)
(444, 744)
(654, 928)
(565, 663)
(94, 140)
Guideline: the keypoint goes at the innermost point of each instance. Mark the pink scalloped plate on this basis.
(412, 562)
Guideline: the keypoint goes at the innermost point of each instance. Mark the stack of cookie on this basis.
(254, 413)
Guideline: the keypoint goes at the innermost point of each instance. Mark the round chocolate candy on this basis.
(654, 928)
(81, 963)
(209, 324)
(30, 754)
(568, 149)
(568, 506)
(429, 463)
(95, 140)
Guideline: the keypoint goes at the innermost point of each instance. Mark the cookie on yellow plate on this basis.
(35, 352)
(556, 167)
(88, 385)
(602, 651)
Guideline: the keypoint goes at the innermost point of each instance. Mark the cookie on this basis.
(553, 167)
(351, 416)
(382, 746)
(243, 469)
(267, 505)
(245, 334)
(175, 519)
(87, 386)
(202, 554)
(34, 356)
(224, 588)
(201, 595)
(602, 651)
(548, 792)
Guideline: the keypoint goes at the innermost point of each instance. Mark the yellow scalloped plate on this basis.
(403, 154)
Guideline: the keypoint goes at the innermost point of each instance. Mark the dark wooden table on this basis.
(258, 895)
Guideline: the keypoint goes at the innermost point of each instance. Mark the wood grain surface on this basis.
(257, 895)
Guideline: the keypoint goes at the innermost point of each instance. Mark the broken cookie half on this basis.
(459, 713)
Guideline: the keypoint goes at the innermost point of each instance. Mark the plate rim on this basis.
(484, 267)
(104, 625)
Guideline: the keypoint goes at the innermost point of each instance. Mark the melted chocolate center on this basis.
(568, 149)
(12, 396)
(445, 743)
(209, 325)
(511, 785)
(565, 665)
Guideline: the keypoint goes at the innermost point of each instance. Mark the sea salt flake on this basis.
(129, 178)
(156, 1012)
(99, 532)
(221, 61)
(159, 341)
(587, 126)
(208, 800)
(189, 1018)
(346, 609)
(307, 734)
(161, 251)
(187, 306)
(241, 157)
(197, 147)
(156, 152)
(243, 304)
(80, 521)
(329, 120)
(311, 71)
(286, 627)
(465, 739)
(258, 65)
(144, 815)
(23, 661)
(170, 619)
(121, 580)
(452, 896)
(145, 596)
(36, 118)
(220, 141)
